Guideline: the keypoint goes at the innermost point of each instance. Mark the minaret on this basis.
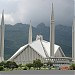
(73, 41)
(2, 38)
(30, 33)
(52, 33)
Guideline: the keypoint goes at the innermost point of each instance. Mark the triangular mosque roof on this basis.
(42, 47)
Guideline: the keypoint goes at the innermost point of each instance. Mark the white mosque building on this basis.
(41, 49)
(38, 49)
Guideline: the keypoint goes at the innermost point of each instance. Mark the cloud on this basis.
(9, 0)
(38, 11)
(8, 18)
(12, 0)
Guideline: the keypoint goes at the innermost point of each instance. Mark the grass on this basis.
(21, 68)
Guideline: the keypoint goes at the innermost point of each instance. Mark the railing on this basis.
(59, 60)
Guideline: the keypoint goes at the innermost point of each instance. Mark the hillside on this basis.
(17, 36)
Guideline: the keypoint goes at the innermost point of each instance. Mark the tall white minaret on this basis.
(73, 41)
(2, 38)
(30, 33)
(52, 33)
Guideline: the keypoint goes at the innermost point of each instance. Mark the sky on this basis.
(38, 11)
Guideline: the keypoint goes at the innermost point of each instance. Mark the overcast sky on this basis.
(37, 11)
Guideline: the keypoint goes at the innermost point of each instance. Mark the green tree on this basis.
(1, 68)
(49, 63)
(25, 68)
(37, 63)
(73, 66)
(3, 63)
(20, 65)
(11, 65)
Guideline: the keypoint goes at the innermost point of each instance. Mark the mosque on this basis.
(39, 48)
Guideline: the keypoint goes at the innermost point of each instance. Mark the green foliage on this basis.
(20, 65)
(72, 66)
(49, 63)
(25, 68)
(10, 64)
(37, 63)
(29, 65)
(1, 68)
(3, 63)
(44, 65)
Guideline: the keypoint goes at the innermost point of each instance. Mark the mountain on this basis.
(17, 36)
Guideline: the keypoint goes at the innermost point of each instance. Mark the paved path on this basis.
(38, 72)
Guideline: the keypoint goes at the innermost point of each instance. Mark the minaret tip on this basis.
(30, 33)
(52, 14)
(30, 21)
(52, 8)
(52, 3)
(3, 12)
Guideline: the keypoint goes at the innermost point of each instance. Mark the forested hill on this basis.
(17, 36)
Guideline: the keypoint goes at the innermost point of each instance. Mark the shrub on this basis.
(25, 68)
(29, 65)
(11, 65)
(49, 63)
(20, 65)
(44, 65)
(73, 66)
(37, 63)
(1, 68)
(3, 63)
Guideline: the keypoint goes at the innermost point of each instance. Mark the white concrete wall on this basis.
(27, 56)
(58, 54)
